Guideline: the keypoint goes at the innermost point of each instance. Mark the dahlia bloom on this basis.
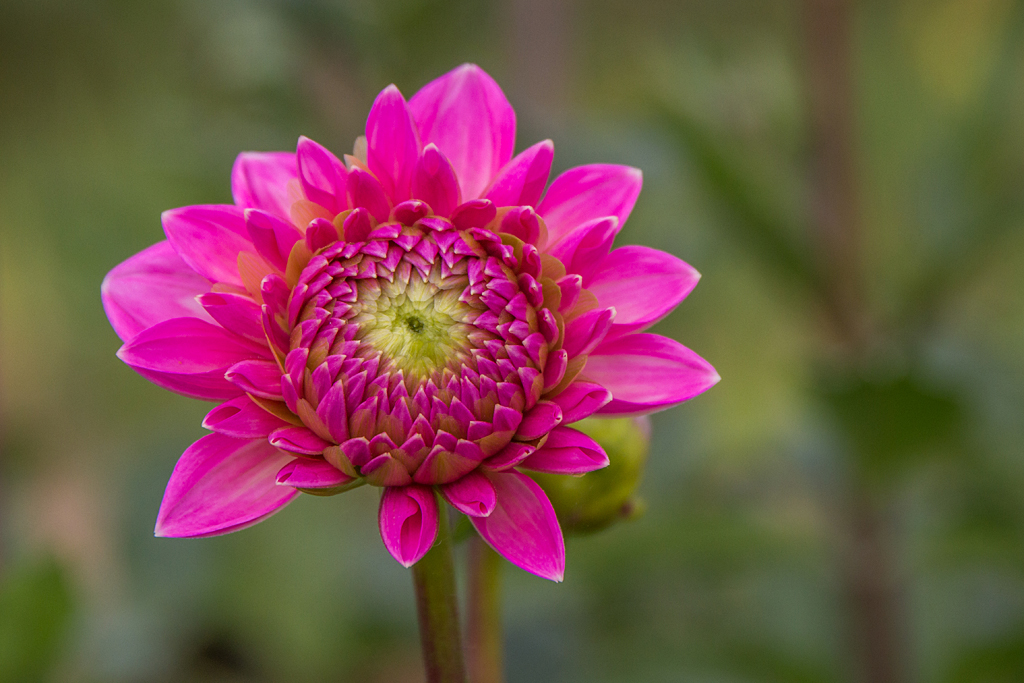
(421, 317)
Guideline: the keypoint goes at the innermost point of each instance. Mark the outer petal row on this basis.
(467, 116)
(263, 180)
(190, 357)
(408, 522)
(648, 372)
(150, 287)
(643, 285)
(221, 484)
(586, 193)
(523, 527)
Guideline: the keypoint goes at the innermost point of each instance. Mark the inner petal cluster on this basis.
(415, 353)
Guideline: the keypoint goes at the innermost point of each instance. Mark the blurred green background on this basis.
(846, 505)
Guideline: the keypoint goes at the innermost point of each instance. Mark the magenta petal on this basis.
(221, 485)
(408, 522)
(466, 114)
(298, 440)
(567, 451)
(584, 333)
(523, 527)
(263, 180)
(434, 182)
(393, 143)
(207, 386)
(365, 192)
(521, 182)
(189, 356)
(541, 419)
(237, 313)
(209, 238)
(150, 287)
(508, 457)
(643, 285)
(584, 193)
(242, 419)
(471, 495)
(647, 372)
(257, 377)
(273, 237)
(332, 411)
(322, 175)
(580, 400)
(584, 249)
(304, 473)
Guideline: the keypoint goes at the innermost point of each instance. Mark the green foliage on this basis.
(894, 424)
(35, 609)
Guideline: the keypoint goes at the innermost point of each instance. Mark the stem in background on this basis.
(434, 579)
(836, 211)
(873, 591)
(868, 572)
(483, 640)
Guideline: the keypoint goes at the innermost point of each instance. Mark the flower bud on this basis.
(598, 499)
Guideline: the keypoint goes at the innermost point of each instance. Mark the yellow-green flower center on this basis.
(417, 326)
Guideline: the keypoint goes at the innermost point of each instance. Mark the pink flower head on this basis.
(420, 319)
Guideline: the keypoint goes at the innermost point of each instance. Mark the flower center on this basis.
(417, 351)
(416, 326)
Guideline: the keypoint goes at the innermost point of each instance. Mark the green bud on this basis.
(598, 499)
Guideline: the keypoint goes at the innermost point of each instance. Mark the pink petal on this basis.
(476, 213)
(643, 285)
(584, 333)
(466, 114)
(257, 377)
(272, 236)
(150, 287)
(584, 249)
(237, 313)
(393, 143)
(304, 473)
(567, 451)
(298, 440)
(364, 191)
(584, 193)
(357, 226)
(508, 457)
(333, 413)
(647, 372)
(322, 175)
(521, 182)
(320, 233)
(408, 522)
(541, 419)
(523, 223)
(434, 182)
(189, 356)
(221, 485)
(471, 495)
(242, 419)
(580, 400)
(209, 238)
(263, 180)
(523, 527)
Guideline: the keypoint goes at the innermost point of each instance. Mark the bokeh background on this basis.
(846, 505)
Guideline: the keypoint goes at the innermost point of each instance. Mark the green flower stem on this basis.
(434, 579)
(483, 642)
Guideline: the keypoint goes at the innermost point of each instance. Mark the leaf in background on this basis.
(1001, 662)
(893, 424)
(761, 230)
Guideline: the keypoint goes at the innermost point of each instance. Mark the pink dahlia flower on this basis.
(422, 317)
